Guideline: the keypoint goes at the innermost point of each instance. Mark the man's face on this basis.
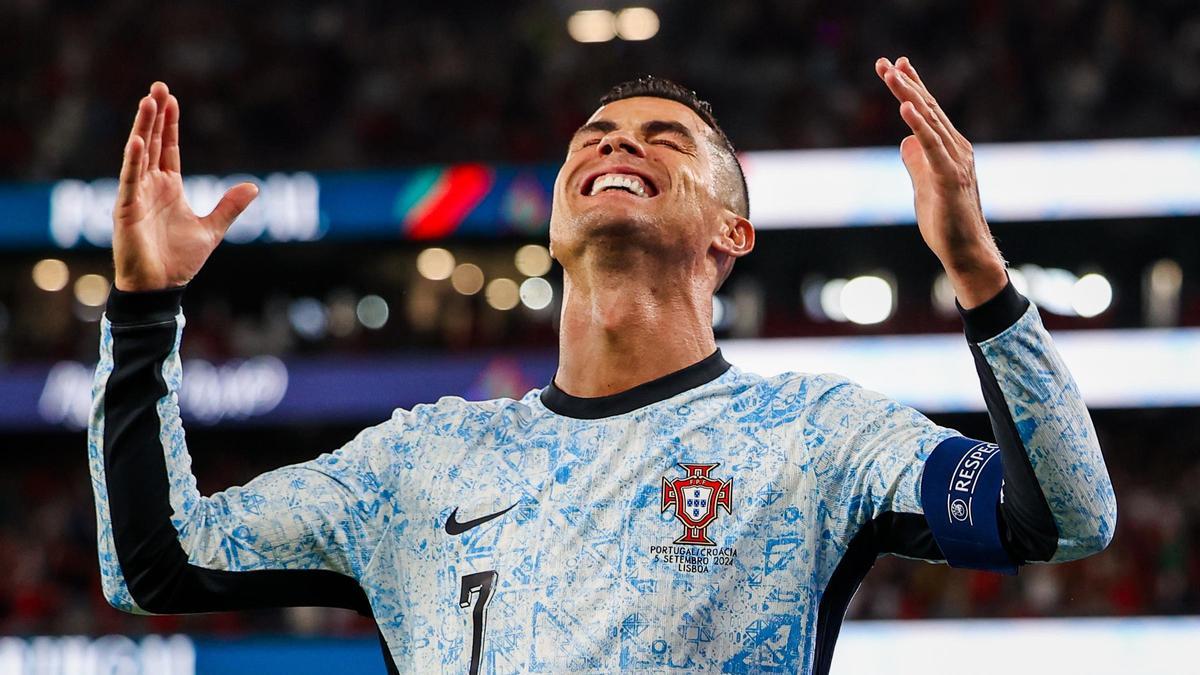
(639, 175)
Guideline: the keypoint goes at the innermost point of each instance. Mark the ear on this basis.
(735, 237)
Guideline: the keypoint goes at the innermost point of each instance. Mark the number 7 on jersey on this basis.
(480, 583)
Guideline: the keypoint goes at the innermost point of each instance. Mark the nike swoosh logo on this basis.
(454, 527)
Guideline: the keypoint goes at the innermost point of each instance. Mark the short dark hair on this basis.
(657, 87)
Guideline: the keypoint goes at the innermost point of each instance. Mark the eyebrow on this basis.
(658, 127)
(599, 126)
(651, 128)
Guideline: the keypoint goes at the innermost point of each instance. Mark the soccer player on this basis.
(653, 508)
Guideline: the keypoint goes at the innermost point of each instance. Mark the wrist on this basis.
(994, 316)
(149, 306)
(975, 281)
(127, 284)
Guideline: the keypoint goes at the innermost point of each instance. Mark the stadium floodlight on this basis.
(1091, 295)
(343, 319)
(1163, 282)
(536, 293)
(51, 274)
(91, 290)
(435, 264)
(372, 312)
(831, 299)
(1166, 276)
(592, 25)
(308, 318)
(467, 279)
(533, 260)
(1050, 288)
(502, 294)
(637, 23)
(867, 300)
(943, 296)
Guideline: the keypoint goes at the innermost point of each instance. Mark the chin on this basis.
(618, 241)
(630, 224)
(606, 237)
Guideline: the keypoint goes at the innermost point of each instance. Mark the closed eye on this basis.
(669, 144)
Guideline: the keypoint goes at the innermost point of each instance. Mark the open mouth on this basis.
(622, 180)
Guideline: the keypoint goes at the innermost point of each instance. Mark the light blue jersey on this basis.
(709, 521)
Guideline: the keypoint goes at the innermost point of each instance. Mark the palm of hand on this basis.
(164, 241)
(158, 242)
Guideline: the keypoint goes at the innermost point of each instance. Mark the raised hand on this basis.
(158, 242)
(941, 164)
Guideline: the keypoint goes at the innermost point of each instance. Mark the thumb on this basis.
(913, 156)
(235, 200)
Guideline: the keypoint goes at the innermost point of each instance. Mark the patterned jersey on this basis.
(709, 521)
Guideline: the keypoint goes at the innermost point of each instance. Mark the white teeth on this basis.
(619, 180)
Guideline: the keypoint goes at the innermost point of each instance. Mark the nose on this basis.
(620, 141)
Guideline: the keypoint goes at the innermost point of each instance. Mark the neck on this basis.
(622, 328)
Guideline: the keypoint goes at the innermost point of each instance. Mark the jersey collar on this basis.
(701, 372)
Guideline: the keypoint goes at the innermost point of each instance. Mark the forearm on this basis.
(123, 447)
(164, 548)
(1058, 500)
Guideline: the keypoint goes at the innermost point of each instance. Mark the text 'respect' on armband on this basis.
(960, 493)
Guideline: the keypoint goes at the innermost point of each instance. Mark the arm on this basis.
(1058, 501)
(897, 483)
(300, 535)
(1044, 494)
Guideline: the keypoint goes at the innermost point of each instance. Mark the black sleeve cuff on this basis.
(143, 307)
(994, 316)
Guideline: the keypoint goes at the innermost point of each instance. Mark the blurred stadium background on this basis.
(396, 254)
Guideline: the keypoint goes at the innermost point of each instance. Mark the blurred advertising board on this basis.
(183, 655)
(934, 373)
(1097, 646)
(788, 189)
(1024, 182)
(414, 204)
(266, 390)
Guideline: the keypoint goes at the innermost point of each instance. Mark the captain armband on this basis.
(960, 494)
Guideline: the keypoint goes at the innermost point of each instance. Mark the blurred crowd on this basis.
(326, 85)
(51, 581)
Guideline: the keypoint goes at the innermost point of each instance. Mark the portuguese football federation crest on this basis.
(696, 498)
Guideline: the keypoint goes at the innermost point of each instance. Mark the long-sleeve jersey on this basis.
(710, 520)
